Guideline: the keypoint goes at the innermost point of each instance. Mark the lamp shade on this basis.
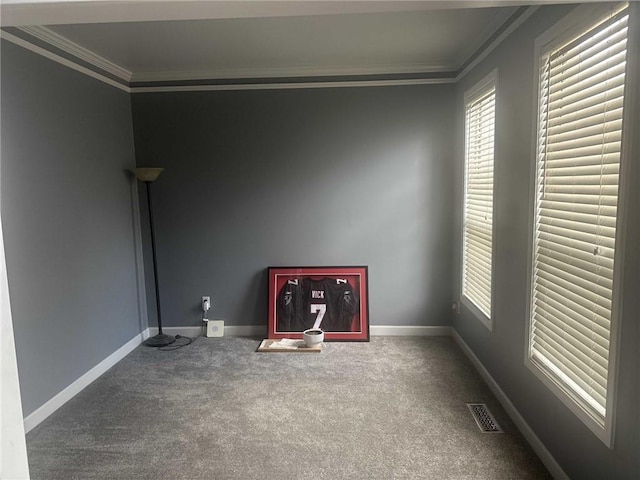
(147, 174)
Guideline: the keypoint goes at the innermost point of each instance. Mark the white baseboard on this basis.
(409, 331)
(245, 330)
(184, 331)
(554, 467)
(229, 331)
(38, 415)
(261, 331)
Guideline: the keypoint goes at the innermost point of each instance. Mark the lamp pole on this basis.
(148, 175)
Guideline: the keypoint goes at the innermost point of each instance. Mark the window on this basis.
(581, 98)
(477, 247)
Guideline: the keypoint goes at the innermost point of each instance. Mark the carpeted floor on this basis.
(394, 408)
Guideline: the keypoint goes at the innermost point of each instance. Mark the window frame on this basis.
(573, 25)
(477, 90)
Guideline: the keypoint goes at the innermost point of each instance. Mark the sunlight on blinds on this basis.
(579, 140)
(478, 206)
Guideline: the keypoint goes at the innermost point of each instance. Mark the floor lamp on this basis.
(148, 175)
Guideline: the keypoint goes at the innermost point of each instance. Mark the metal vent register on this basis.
(484, 419)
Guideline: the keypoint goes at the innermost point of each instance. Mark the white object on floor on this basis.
(215, 328)
(287, 343)
(313, 337)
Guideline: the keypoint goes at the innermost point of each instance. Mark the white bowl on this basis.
(313, 337)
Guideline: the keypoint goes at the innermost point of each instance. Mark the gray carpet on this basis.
(393, 408)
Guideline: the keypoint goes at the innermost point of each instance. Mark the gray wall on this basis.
(580, 453)
(67, 218)
(333, 176)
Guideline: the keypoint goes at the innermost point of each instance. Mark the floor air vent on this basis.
(484, 419)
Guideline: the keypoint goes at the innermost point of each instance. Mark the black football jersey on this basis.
(328, 303)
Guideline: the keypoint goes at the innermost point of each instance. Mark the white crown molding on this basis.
(66, 45)
(290, 72)
(501, 38)
(471, 48)
(284, 86)
(196, 88)
(62, 61)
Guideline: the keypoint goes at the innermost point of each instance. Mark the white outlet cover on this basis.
(215, 328)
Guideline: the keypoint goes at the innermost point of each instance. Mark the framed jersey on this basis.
(334, 299)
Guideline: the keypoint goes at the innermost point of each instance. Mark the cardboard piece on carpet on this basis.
(294, 346)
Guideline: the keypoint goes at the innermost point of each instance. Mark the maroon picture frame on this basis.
(335, 299)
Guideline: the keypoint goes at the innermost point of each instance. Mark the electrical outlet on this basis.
(455, 308)
(206, 304)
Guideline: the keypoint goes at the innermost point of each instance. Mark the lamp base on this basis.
(160, 340)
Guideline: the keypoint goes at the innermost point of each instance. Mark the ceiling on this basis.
(370, 43)
(173, 40)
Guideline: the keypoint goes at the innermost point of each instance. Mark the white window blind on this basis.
(579, 140)
(478, 200)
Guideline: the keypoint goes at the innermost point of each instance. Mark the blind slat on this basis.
(579, 334)
(545, 246)
(580, 268)
(566, 368)
(593, 335)
(586, 247)
(575, 349)
(591, 297)
(573, 359)
(575, 220)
